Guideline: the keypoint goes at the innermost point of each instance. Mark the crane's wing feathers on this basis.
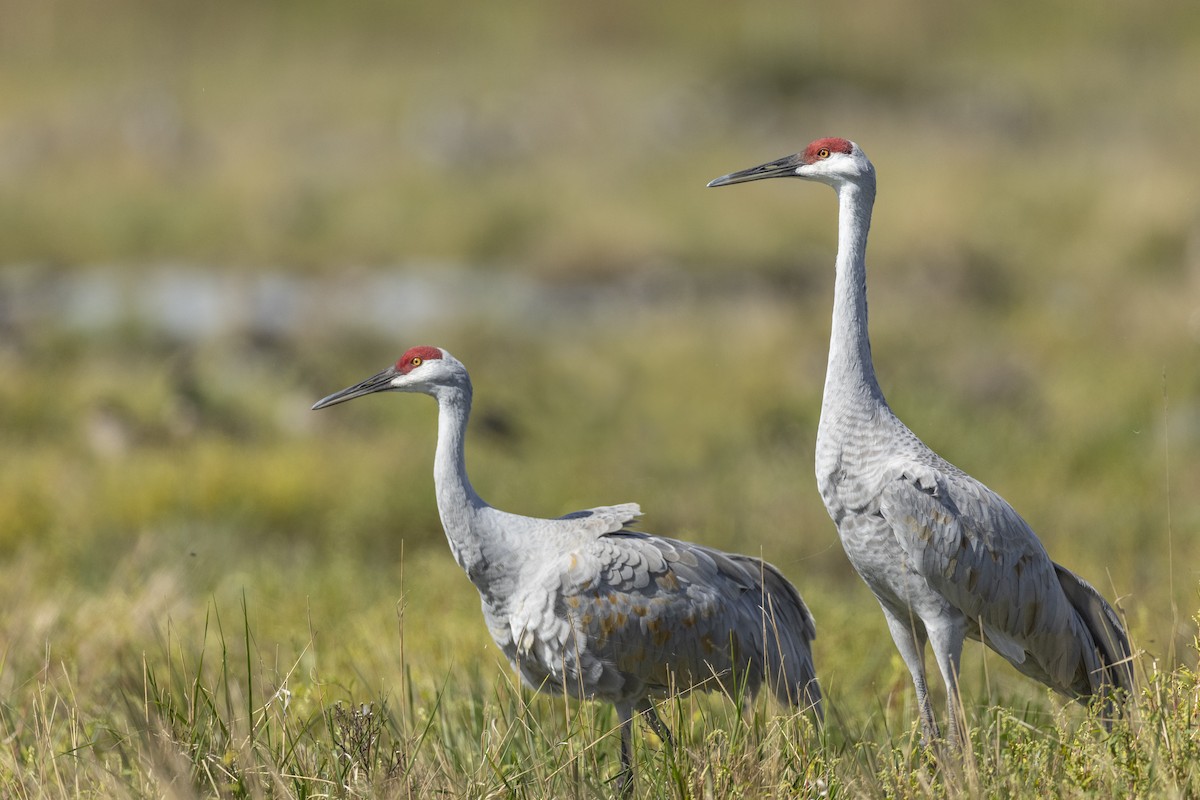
(628, 612)
(603, 519)
(977, 552)
(1107, 631)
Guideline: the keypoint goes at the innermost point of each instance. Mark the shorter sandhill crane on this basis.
(947, 558)
(584, 605)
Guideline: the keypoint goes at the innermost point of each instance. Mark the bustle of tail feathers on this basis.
(1112, 642)
(797, 684)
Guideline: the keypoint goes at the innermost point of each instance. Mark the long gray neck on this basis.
(458, 504)
(850, 377)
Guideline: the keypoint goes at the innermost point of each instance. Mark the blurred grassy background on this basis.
(1035, 287)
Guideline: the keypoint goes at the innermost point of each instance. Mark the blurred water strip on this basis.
(194, 303)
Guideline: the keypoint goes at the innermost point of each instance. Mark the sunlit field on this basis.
(213, 215)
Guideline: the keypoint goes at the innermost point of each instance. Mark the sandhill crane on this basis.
(946, 557)
(584, 605)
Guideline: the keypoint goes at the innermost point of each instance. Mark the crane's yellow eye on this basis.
(823, 152)
(415, 361)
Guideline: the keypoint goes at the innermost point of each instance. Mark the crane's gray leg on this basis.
(625, 712)
(625, 778)
(909, 636)
(947, 638)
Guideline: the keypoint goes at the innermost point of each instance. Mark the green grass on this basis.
(211, 710)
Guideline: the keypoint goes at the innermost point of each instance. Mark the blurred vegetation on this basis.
(1035, 287)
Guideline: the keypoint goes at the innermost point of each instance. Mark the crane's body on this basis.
(586, 606)
(946, 557)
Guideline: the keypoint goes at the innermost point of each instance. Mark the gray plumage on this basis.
(946, 557)
(586, 606)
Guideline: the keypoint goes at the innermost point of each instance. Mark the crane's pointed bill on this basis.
(376, 383)
(779, 168)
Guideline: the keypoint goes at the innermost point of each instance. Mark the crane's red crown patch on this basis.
(415, 357)
(834, 144)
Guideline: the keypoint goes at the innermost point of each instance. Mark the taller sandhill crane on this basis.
(584, 605)
(946, 557)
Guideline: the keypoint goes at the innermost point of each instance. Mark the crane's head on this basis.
(430, 370)
(834, 161)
